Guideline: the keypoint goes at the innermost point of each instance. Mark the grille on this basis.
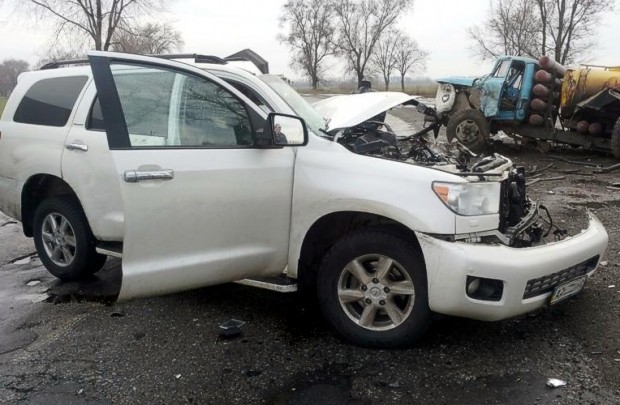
(546, 284)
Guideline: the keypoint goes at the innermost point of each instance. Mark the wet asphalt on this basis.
(69, 343)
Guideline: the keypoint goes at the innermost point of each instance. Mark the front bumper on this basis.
(449, 263)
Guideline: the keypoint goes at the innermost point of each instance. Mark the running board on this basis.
(281, 284)
(114, 249)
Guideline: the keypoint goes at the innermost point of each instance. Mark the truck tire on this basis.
(615, 140)
(372, 289)
(469, 127)
(64, 240)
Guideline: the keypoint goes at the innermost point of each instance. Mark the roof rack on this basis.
(57, 64)
(198, 58)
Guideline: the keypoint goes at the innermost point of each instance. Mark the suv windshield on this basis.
(301, 107)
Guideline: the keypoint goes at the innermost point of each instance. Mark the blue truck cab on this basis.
(472, 108)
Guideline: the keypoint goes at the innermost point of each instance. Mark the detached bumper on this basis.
(449, 263)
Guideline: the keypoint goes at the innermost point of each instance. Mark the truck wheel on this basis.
(372, 289)
(470, 128)
(615, 140)
(64, 240)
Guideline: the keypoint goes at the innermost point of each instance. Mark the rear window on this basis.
(50, 101)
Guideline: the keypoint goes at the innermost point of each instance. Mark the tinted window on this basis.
(50, 101)
(167, 108)
(95, 118)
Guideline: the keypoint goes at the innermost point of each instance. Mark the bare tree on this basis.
(311, 27)
(99, 19)
(563, 29)
(384, 57)
(512, 28)
(9, 70)
(409, 58)
(359, 27)
(150, 38)
(568, 27)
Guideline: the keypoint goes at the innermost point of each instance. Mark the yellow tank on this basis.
(579, 84)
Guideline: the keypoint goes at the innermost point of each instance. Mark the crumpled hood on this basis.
(350, 110)
(458, 80)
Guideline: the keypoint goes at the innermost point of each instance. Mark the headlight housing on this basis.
(469, 199)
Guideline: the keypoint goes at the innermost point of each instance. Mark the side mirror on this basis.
(286, 130)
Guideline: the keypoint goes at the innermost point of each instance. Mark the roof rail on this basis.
(198, 58)
(57, 64)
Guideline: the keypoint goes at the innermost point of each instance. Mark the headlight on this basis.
(469, 198)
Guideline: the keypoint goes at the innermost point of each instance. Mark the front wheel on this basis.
(64, 241)
(469, 127)
(372, 289)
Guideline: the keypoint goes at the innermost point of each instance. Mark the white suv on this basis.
(207, 174)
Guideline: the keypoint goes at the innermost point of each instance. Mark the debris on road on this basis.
(32, 283)
(529, 183)
(607, 169)
(555, 383)
(535, 169)
(231, 329)
(575, 162)
(117, 315)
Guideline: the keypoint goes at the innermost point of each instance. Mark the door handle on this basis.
(134, 176)
(77, 146)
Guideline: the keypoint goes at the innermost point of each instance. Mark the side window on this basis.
(95, 118)
(50, 101)
(502, 69)
(167, 108)
(255, 98)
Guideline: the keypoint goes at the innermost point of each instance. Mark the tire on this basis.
(469, 127)
(615, 140)
(64, 240)
(354, 298)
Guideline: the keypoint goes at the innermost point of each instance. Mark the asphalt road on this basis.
(67, 343)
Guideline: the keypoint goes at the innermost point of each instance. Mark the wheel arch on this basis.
(35, 190)
(328, 229)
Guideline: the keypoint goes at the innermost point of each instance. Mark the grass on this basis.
(2, 104)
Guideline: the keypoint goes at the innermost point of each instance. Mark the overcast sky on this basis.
(224, 27)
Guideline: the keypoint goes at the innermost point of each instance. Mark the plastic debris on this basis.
(177, 376)
(25, 260)
(611, 286)
(33, 283)
(231, 329)
(555, 383)
(603, 263)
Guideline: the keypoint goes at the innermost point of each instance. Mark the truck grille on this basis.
(546, 284)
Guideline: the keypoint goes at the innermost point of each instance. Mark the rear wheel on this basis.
(64, 241)
(470, 128)
(372, 289)
(615, 140)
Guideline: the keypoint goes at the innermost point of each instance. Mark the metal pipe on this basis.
(538, 104)
(536, 119)
(549, 64)
(582, 127)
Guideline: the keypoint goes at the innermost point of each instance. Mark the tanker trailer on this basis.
(586, 100)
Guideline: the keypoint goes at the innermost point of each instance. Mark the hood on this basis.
(458, 80)
(353, 109)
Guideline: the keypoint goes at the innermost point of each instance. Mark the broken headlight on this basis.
(469, 198)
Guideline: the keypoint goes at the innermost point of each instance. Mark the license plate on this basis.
(567, 289)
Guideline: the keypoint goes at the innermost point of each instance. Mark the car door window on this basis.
(167, 108)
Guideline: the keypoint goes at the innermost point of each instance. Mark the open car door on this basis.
(202, 204)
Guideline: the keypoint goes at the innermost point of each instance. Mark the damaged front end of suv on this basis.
(522, 222)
